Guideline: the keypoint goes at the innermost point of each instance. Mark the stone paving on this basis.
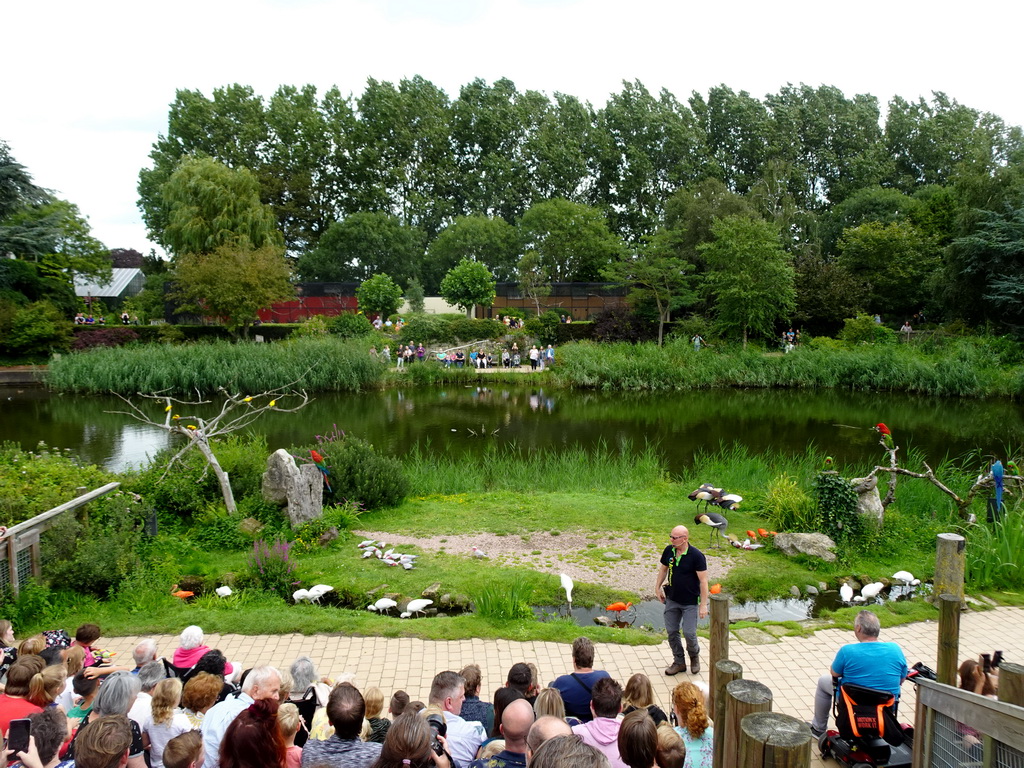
(789, 667)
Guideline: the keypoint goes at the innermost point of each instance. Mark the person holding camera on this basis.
(410, 744)
(345, 711)
(464, 737)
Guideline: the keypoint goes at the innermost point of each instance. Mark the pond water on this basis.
(449, 420)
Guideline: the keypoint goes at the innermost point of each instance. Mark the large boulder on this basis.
(869, 503)
(812, 544)
(299, 489)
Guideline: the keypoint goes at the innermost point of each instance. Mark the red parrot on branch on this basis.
(318, 460)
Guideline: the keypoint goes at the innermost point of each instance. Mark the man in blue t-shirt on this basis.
(868, 662)
(684, 574)
(576, 686)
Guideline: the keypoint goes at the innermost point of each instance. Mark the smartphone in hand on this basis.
(17, 737)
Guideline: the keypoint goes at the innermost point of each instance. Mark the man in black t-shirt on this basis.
(684, 574)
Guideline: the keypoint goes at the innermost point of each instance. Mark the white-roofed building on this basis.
(125, 283)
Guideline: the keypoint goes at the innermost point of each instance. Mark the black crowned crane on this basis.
(716, 521)
(706, 493)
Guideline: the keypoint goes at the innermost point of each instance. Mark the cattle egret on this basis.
(567, 585)
(300, 594)
(223, 591)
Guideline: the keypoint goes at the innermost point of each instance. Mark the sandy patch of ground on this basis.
(578, 554)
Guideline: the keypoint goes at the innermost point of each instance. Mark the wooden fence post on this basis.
(949, 565)
(719, 642)
(742, 698)
(949, 639)
(725, 673)
(1011, 683)
(774, 740)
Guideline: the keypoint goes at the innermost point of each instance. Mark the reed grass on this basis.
(995, 552)
(313, 364)
(960, 369)
(505, 601)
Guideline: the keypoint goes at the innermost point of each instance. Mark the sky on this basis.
(86, 86)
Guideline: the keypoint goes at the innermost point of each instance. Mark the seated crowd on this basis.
(188, 712)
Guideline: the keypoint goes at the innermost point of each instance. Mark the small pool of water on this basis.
(650, 612)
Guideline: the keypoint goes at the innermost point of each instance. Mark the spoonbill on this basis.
(906, 578)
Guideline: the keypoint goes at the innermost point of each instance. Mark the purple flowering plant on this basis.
(271, 567)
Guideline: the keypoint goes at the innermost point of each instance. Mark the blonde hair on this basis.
(287, 683)
(373, 698)
(288, 720)
(166, 698)
(688, 701)
(671, 748)
(639, 692)
(75, 659)
(45, 686)
(32, 646)
(549, 702)
(491, 748)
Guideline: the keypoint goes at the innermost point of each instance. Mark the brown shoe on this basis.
(676, 668)
(694, 664)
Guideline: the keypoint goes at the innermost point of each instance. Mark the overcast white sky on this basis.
(86, 86)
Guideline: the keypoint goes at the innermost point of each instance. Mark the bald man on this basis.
(516, 721)
(684, 574)
(546, 727)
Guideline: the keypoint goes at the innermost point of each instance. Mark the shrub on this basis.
(350, 326)
(621, 324)
(837, 509)
(88, 338)
(863, 329)
(271, 568)
(316, 326)
(215, 528)
(358, 474)
(544, 327)
(786, 507)
(37, 329)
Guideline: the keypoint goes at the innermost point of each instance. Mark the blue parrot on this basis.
(997, 475)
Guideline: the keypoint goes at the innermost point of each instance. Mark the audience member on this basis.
(213, 662)
(185, 751)
(253, 740)
(546, 727)
(32, 646)
(576, 687)
(671, 749)
(502, 698)
(399, 701)
(86, 636)
(306, 682)
(47, 684)
(464, 736)
(192, 650)
(638, 739)
(166, 720)
(86, 688)
(568, 752)
(408, 745)
(144, 653)
(515, 726)
(549, 702)
(261, 683)
(199, 694)
(639, 694)
(289, 721)
(521, 678)
(473, 708)
(73, 661)
(374, 699)
(602, 731)
(694, 726)
(48, 730)
(107, 742)
(148, 677)
(116, 696)
(345, 710)
(14, 703)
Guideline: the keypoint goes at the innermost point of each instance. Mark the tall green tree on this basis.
(986, 270)
(492, 241)
(362, 245)
(233, 282)
(379, 295)
(750, 278)
(467, 284)
(655, 274)
(572, 241)
(210, 205)
(893, 262)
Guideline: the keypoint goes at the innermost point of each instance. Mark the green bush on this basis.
(316, 327)
(837, 509)
(270, 568)
(863, 329)
(36, 330)
(215, 528)
(350, 325)
(358, 474)
(544, 327)
(786, 507)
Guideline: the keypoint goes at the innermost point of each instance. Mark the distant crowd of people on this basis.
(198, 710)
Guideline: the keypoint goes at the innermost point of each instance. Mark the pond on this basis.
(453, 419)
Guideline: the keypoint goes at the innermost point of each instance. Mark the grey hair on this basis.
(568, 752)
(303, 674)
(259, 676)
(144, 652)
(151, 674)
(117, 694)
(191, 637)
(868, 624)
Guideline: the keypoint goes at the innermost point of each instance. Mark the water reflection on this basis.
(451, 420)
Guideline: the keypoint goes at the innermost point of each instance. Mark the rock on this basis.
(794, 591)
(869, 503)
(432, 590)
(755, 636)
(603, 621)
(812, 544)
(736, 616)
(810, 589)
(611, 556)
(822, 586)
(301, 489)
(250, 526)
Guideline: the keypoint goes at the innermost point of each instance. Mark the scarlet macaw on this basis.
(318, 460)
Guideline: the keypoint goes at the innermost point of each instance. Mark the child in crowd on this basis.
(289, 721)
(85, 688)
(399, 701)
(694, 726)
(374, 699)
